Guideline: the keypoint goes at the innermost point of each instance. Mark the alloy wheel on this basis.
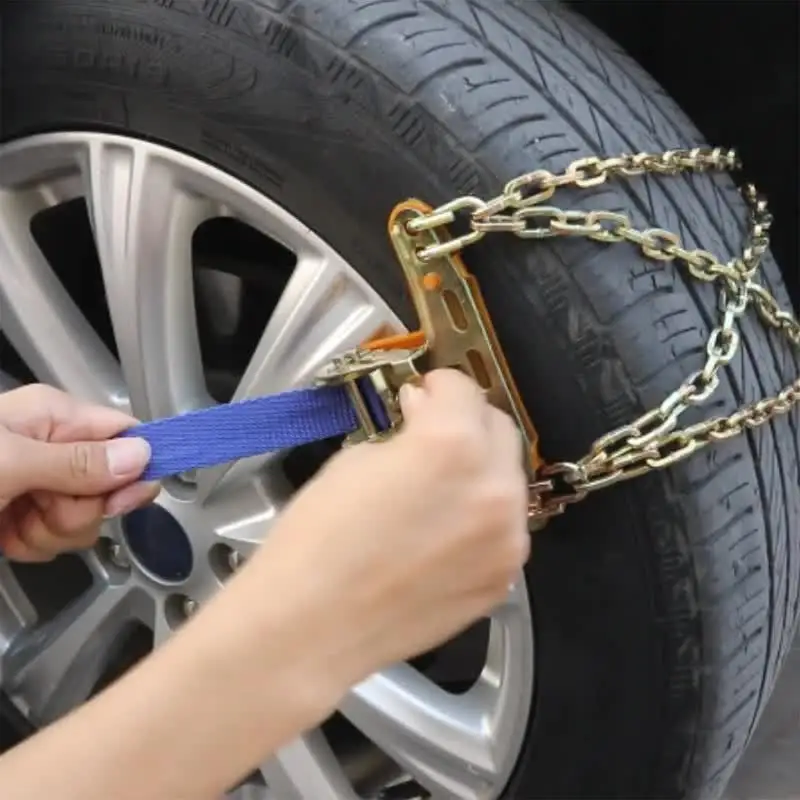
(146, 203)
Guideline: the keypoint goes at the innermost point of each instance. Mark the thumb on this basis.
(412, 398)
(79, 468)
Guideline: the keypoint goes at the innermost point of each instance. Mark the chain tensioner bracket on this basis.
(455, 332)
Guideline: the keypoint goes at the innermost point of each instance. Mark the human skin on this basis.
(59, 473)
(419, 537)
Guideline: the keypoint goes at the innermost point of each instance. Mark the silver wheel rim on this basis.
(145, 201)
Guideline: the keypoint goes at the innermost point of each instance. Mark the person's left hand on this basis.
(59, 476)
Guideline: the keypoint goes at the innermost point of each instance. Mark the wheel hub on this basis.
(159, 545)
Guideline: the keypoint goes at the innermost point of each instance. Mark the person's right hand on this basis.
(398, 546)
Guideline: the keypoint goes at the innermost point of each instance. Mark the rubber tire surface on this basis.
(663, 608)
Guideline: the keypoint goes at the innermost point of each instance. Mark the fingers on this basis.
(88, 422)
(43, 412)
(52, 441)
(54, 525)
(45, 525)
(508, 455)
(73, 468)
(448, 399)
(443, 394)
(61, 471)
(14, 549)
(130, 497)
(507, 446)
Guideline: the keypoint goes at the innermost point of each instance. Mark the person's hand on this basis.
(398, 546)
(58, 476)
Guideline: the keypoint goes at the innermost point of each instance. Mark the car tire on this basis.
(663, 608)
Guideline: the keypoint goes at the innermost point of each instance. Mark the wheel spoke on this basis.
(323, 311)
(457, 746)
(242, 514)
(144, 218)
(441, 739)
(40, 318)
(7, 382)
(53, 667)
(304, 769)
(159, 624)
(505, 688)
(510, 626)
(16, 611)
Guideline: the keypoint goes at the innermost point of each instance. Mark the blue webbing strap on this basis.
(228, 432)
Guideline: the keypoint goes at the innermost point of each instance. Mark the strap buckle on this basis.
(455, 331)
(372, 379)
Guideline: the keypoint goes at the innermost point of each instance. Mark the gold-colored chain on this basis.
(653, 441)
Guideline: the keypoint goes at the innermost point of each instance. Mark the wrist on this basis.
(310, 615)
(286, 633)
(232, 675)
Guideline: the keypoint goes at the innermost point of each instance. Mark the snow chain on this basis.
(653, 441)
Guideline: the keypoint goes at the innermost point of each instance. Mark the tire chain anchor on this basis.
(455, 332)
(456, 329)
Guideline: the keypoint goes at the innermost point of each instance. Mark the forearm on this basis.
(198, 714)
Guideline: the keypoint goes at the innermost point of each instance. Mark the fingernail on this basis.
(130, 498)
(127, 456)
(118, 508)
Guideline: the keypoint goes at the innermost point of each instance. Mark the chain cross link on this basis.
(653, 441)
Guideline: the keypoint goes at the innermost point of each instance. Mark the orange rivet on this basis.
(432, 281)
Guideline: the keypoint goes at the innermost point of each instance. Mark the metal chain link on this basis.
(653, 441)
